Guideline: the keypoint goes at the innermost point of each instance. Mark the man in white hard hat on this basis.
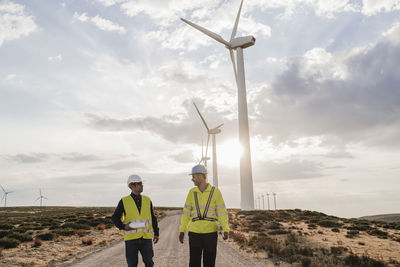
(134, 215)
(204, 208)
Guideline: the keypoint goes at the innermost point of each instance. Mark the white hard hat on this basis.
(198, 169)
(134, 179)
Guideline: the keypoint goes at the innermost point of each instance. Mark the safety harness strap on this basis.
(204, 216)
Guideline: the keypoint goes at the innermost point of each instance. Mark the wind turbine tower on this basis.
(238, 44)
(5, 195)
(263, 202)
(212, 132)
(274, 199)
(40, 197)
(268, 200)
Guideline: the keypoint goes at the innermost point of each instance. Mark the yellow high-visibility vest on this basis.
(143, 218)
(216, 212)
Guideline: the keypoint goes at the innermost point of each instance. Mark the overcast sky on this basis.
(92, 91)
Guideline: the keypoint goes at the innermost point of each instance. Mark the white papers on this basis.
(138, 224)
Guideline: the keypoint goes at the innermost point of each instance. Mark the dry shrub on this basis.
(87, 241)
(101, 227)
(82, 232)
(37, 243)
(238, 238)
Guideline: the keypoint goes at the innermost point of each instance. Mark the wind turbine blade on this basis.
(2, 189)
(219, 126)
(236, 22)
(215, 36)
(37, 199)
(205, 124)
(45, 197)
(208, 140)
(233, 63)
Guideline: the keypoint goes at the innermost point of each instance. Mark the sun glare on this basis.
(229, 152)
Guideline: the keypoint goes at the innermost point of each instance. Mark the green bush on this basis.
(6, 242)
(65, 231)
(329, 223)
(6, 226)
(338, 250)
(274, 225)
(305, 262)
(278, 232)
(3, 233)
(378, 233)
(352, 234)
(76, 226)
(21, 237)
(364, 261)
(46, 236)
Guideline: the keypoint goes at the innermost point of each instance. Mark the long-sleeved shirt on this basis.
(116, 218)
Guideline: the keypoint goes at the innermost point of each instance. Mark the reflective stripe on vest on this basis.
(204, 216)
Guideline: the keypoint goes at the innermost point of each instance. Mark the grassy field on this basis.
(308, 238)
(390, 218)
(34, 236)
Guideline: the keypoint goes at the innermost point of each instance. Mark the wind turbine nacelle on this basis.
(214, 131)
(243, 42)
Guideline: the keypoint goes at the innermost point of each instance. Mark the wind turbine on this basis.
(5, 195)
(268, 200)
(41, 197)
(204, 158)
(212, 132)
(274, 199)
(238, 44)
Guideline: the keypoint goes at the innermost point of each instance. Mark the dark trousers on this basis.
(205, 244)
(144, 246)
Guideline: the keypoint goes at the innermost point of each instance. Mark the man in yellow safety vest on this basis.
(204, 208)
(134, 215)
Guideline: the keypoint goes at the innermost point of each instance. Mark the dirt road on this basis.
(169, 252)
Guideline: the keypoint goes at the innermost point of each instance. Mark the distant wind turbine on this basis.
(238, 44)
(268, 200)
(204, 158)
(212, 132)
(274, 199)
(263, 202)
(40, 197)
(5, 196)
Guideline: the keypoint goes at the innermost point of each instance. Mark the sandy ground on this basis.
(169, 252)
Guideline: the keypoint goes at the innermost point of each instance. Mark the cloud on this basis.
(78, 157)
(101, 23)
(292, 169)
(350, 96)
(183, 127)
(372, 7)
(121, 165)
(184, 157)
(28, 158)
(108, 3)
(11, 76)
(42, 157)
(55, 58)
(14, 23)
